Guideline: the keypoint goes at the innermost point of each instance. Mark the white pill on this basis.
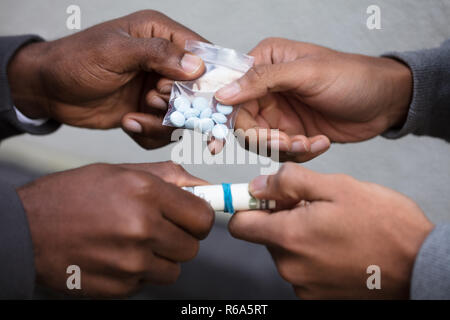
(206, 125)
(200, 103)
(182, 104)
(219, 117)
(191, 112)
(191, 123)
(224, 109)
(177, 119)
(220, 131)
(206, 113)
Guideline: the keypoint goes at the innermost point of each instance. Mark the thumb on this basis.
(293, 183)
(262, 79)
(164, 57)
(257, 226)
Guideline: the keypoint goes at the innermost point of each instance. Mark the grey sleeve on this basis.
(9, 124)
(429, 112)
(431, 272)
(17, 273)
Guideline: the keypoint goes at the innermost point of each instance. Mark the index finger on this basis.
(189, 212)
(151, 23)
(169, 172)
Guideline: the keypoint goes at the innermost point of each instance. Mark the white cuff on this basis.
(25, 120)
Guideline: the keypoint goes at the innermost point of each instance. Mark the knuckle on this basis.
(344, 179)
(135, 264)
(291, 237)
(99, 166)
(111, 42)
(206, 219)
(176, 273)
(134, 229)
(289, 168)
(284, 172)
(102, 121)
(174, 172)
(267, 41)
(150, 142)
(104, 48)
(275, 181)
(144, 15)
(158, 48)
(253, 78)
(113, 290)
(271, 40)
(133, 180)
(101, 43)
(233, 226)
(288, 175)
(303, 293)
(124, 290)
(128, 291)
(310, 71)
(175, 167)
(173, 274)
(311, 295)
(266, 46)
(285, 271)
(298, 292)
(146, 144)
(191, 251)
(149, 12)
(257, 73)
(284, 241)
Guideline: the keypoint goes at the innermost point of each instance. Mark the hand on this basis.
(329, 228)
(112, 222)
(103, 77)
(313, 94)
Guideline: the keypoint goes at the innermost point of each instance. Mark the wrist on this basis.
(401, 87)
(24, 71)
(411, 248)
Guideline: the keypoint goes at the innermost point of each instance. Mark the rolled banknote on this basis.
(230, 197)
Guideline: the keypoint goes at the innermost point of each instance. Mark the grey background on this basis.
(417, 167)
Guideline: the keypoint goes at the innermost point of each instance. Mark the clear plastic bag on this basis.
(192, 104)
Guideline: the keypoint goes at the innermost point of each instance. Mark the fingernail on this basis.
(191, 63)
(229, 91)
(258, 184)
(158, 102)
(278, 145)
(299, 147)
(132, 126)
(319, 146)
(166, 89)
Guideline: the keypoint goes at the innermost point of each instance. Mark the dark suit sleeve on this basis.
(17, 274)
(9, 124)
